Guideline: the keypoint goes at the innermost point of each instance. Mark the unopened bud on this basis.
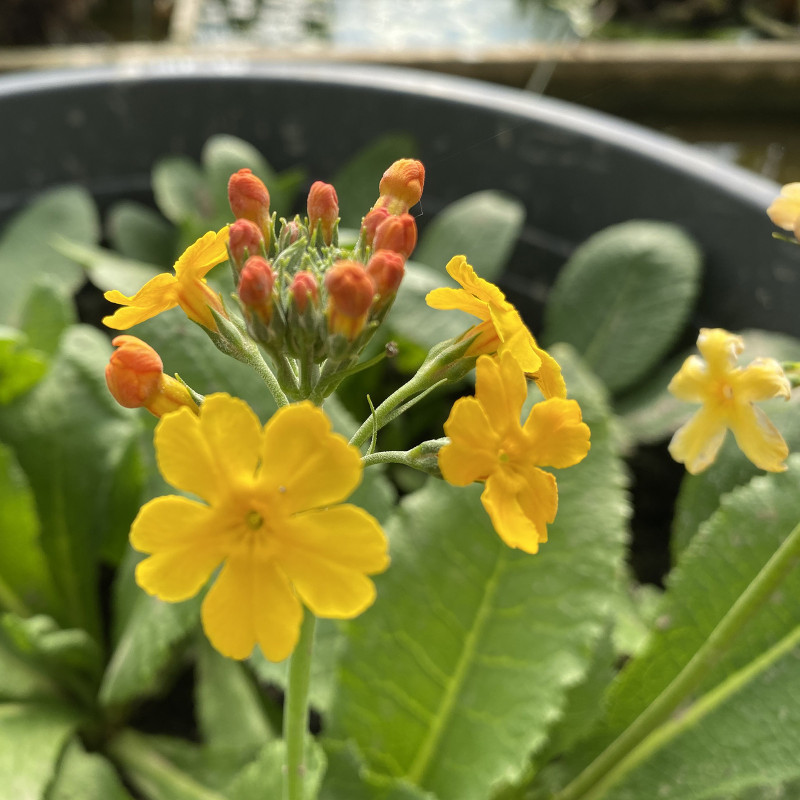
(255, 287)
(398, 233)
(304, 290)
(401, 186)
(136, 379)
(350, 295)
(385, 269)
(371, 222)
(290, 232)
(249, 199)
(323, 210)
(245, 240)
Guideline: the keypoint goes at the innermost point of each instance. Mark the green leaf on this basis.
(716, 567)
(181, 192)
(348, 777)
(357, 181)
(21, 367)
(108, 270)
(749, 741)
(153, 775)
(69, 437)
(228, 704)
(483, 226)
(623, 298)
(151, 643)
(451, 685)
(47, 313)
(140, 234)
(86, 776)
(26, 254)
(263, 777)
(32, 736)
(69, 658)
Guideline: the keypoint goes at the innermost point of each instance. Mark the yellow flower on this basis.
(785, 210)
(501, 330)
(187, 288)
(272, 518)
(727, 393)
(487, 443)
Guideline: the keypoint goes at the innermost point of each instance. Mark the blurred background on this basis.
(721, 74)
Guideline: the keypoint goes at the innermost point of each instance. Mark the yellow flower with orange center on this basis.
(272, 518)
(488, 443)
(187, 288)
(727, 393)
(501, 329)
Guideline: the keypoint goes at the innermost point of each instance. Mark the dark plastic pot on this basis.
(576, 171)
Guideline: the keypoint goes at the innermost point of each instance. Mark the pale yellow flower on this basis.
(488, 443)
(728, 393)
(785, 210)
(271, 518)
(501, 329)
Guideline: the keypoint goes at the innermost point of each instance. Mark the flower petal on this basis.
(539, 499)
(500, 498)
(185, 459)
(201, 256)
(785, 210)
(501, 389)
(720, 349)
(157, 295)
(548, 377)
(759, 439)
(300, 453)
(447, 299)
(232, 433)
(463, 273)
(691, 383)
(250, 603)
(473, 450)
(516, 339)
(762, 379)
(185, 545)
(558, 438)
(327, 555)
(697, 443)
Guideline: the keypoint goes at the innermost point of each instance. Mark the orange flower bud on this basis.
(255, 287)
(323, 209)
(304, 288)
(245, 240)
(249, 198)
(398, 233)
(385, 269)
(401, 186)
(135, 378)
(350, 295)
(371, 222)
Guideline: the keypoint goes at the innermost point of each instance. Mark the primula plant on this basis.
(321, 517)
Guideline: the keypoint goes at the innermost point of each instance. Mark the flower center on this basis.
(254, 520)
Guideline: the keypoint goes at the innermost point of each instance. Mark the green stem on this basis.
(389, 457)
(295, 714)
(759, 590)
(704, 706)
(256, 361)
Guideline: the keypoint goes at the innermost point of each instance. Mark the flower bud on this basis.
(385, 269)
(304, 289)
(398, 233)
(256, 283)
(290, 232)
(371, 222)
(350, 295)
(323, 210)
(245, 240)
(249, 199)
(135, 378)
(401, 186)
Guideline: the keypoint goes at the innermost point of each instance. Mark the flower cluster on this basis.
(270, 514)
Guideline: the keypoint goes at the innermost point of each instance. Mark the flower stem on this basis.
(295, 713)
(759, 590)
